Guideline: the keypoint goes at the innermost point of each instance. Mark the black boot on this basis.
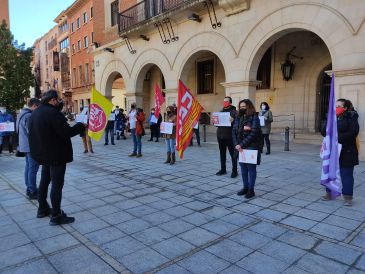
(250, 193)
(61, 219)
(173, 160)
(243, 191)
(221, 172)
(168, 160)
(268, 151)
(234, 173)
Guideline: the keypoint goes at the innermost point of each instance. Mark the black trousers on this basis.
(267, 141)
(197, 135)
(56, 175)
(9, 140)
(223, 145)
(154, 131)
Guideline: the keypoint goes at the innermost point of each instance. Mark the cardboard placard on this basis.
(248, 156)
(221, 119)
(7, 126)
(166, 127)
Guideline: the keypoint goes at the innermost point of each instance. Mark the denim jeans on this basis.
(170, 145)
(134, 137)
(109, 131)
(347, 178)
(248, 172)
(30, 173)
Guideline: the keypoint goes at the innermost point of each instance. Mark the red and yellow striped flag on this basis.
(188, 113)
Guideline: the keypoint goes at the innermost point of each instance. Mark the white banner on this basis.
(166, 127)
(81, 118)
(248, 156)
(7, 126)
(112, 117)
(262, 121)
(153, 119)
(221, 119)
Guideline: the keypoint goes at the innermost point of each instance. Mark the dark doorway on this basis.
(323, 97)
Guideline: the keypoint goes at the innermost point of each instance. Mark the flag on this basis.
(188, 113)
(100, 109)
(159, 100)
(330, 150)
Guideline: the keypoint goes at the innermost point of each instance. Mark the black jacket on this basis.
(348, 129)
(50, 136)
(226, 132)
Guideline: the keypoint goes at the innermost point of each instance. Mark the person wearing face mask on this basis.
(348, 129)
(153, 126)
(224, 136)
(132, 126)
(266, 129)
(50, 145)
(120, 121)
(171, 138)
(246, 135)
(7, 136)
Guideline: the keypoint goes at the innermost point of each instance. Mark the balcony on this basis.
(147, 9)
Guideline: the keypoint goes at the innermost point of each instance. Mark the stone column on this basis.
(240, 90)
(134, 98)
(170, 97)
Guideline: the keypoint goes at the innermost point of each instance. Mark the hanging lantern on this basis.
(288, 70)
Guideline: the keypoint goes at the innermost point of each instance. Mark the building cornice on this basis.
(240, 84)
(71, 10)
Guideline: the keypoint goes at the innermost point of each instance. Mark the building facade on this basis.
(4, 12)
(81, 37)
(275, 51)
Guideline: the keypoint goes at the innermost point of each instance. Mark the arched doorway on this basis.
(323, 96)
(115, 90)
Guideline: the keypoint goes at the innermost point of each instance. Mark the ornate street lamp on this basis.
(287, 68)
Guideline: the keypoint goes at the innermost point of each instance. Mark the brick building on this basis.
(4, 12)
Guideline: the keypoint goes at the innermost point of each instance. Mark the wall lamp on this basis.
(109, 50)
(195, 17)
(287, 68)
(144, 37)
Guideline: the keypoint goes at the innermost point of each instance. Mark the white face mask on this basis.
(263, 107)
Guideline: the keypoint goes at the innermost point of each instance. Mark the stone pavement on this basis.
(139, 215)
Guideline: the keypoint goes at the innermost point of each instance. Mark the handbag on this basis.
(19, 153)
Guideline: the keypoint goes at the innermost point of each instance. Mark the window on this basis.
(114, 8)
(86, 41)
(84, 17)
(78, 22)
(64, 45)
(47, 73)
(74, 77)
(92, 38)
(63, 27)
(46, 59)
(87, 73)
(79, 45)
(205, 76)
(45, 45)
(91, 12)
(73, 27)
(80, 75)
(73, 49)
(264, 71)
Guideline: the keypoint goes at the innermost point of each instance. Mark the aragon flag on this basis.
(99, 110)
(188, 113)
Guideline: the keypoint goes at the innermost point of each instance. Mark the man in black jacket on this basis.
(50, 145)
(224, 136)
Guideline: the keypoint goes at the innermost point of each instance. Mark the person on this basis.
(50, 145)
(246, 131)
(86, 140)
(132, 127)
(120, 121)
(31, 166)
(6, 136)
(224, 136)
(266, 129)
(171, 138)
(154, 125)
(348, 129)
(116, 111)
(109, 129)
(140, 118)
(197, 135)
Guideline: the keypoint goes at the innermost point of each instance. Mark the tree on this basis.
(15, 71)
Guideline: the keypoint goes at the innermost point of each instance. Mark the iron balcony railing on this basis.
(146, 9)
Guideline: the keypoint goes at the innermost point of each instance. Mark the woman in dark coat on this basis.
(266, 129)
(348, 129)
(246, 132)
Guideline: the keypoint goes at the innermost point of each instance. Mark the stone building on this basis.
(4, 12)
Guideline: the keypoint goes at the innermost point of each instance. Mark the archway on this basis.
(115, 91)
(323, 94)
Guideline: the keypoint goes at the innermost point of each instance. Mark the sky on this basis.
(31, 19)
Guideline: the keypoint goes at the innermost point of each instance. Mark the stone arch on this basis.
(207, 41)
(111, 70)
(297, 16)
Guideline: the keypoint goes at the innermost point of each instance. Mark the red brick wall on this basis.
(4, 12)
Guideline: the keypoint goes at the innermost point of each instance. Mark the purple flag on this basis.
(330, 150)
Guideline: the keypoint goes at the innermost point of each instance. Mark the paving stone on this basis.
(43, 232)
(250, 239)
(129, 245)
(296, 270)
(290, 209)
(234, 269)
(340, 253)
(311, 214)
(247, 208)
(282, 251)
(18, 255)
(198, 236)
(140, 211)
(90, 263)
(331, 231)
(217, 212)
(229, 250)
(176, 227)
(198, 218)
(238, 219)
(178, 211)
(268, 229)
(89, 225)
(299, 222)
(298, 239)
(318, 264)
(143, 260)
(361, 263)
(158, 218)
(342, 222)
(173, 247)
(162, 204)
(133, 226)
(220, 227)
(8, 230)
(105, 235)
(262, 202)
(56, 243)
(261, 263)
(203, 262)
(359, 240)
(272, 215)
(12, 241)
(39, 266)
(117, 217)
(152, 235)
(175, 269)
(196, 205)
